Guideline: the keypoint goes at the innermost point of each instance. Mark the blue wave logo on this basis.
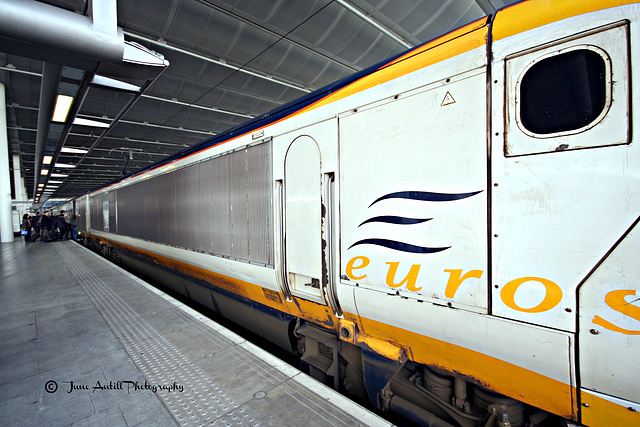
(399, 220)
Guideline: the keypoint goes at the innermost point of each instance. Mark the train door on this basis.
(306, 165)
(565, 192)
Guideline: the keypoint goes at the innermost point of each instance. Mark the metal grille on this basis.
(112, 212)
(97, 215)
(221, 206)
(81, 212)
(325, 351)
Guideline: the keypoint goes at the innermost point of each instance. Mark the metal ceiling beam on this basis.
(48, 90)
(180, 129)
(202, 107)
(41, 31)
(378, 26)
(157, 98)
(13, 69)
(130, 122)
(219, 62)
(127, 139)
(277, 35)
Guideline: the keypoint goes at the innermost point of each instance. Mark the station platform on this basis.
(83, 342)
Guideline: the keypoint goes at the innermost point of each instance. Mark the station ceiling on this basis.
(216, 64)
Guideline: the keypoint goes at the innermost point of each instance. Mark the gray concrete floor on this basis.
(83, 343)
(51, 331)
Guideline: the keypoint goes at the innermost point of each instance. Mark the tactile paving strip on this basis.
(310, 401)
(201, 402)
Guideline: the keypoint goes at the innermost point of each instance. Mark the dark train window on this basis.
(564, 92)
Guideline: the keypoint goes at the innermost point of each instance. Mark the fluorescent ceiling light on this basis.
(59, 175)
(116, 84)
(63, 105)
(54, 182)
(46, 160)
(73, 150)
(41, 184)
(87, 122)
(44, 171)
(63, 165)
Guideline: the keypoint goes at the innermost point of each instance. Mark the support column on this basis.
(18, 183)
(6, 221)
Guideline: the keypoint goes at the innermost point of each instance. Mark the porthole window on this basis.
(572, 93)
(564, 92)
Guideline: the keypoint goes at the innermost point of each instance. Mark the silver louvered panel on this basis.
(259, 199)
(168, 213)
(220, 206)
(152, 205)
(97, 216)
(181, 203)
(105, 211)
(122, 197)
(81, 213)
(191, 212)
(220, 178)
(238, 225)
(112, 212)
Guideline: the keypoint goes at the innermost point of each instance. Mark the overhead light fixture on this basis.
(87, 122)
(73, 150)
(63, 165)
(59, 175)
(53, 182)
(46, 160)
(44, 171)
(63, 105)
(116, 84)
(41, 184)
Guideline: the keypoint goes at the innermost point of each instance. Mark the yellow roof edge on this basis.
(527, 15)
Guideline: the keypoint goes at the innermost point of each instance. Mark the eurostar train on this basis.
(451, 234)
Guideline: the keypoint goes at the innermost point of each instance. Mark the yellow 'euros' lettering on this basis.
(615, 300)
(410, 280)
(552, 297)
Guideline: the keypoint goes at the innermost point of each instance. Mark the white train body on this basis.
(447, 210)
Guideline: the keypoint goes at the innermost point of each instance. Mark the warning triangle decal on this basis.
(448, 99)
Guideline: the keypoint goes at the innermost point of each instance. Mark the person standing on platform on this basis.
(63, 226)
(36, 223)
(26, 225)
(74, 227)
(45, 226)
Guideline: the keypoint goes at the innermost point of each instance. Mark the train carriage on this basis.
(450, 234)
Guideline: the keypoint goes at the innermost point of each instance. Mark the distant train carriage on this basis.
(451, 234)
